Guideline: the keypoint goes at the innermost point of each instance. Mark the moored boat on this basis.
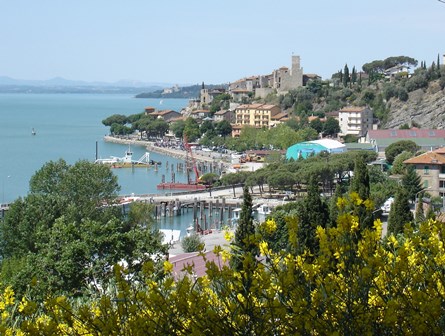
(127, 160)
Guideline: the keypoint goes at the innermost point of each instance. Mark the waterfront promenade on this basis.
(176, 153)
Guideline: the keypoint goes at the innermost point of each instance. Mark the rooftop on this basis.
(427, 158)
(406, 133)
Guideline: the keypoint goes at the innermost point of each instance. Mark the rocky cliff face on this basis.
(425, 107)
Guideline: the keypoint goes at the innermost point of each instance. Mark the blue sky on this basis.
(183, 42)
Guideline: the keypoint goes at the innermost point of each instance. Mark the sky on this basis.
(194, 41)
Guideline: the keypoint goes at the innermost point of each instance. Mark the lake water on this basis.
(68, 126)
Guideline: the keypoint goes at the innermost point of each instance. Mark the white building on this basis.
(355, 120)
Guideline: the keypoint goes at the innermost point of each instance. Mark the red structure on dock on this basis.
(182, 186)
(190, 165)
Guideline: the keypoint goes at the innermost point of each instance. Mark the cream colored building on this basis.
(256, 115)
(355, 120)
(430, 166)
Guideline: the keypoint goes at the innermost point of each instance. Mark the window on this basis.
(441, 184)
(426, 170)
(393, 133)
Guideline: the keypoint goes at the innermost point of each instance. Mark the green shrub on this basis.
(192, 243)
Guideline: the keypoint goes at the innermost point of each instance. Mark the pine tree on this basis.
(411, 182)
(244, 235)
(400, 213)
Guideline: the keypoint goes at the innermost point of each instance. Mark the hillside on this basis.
(424, 107)
(405, 99)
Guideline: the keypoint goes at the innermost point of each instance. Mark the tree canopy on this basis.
(398, 147)
(70, 225)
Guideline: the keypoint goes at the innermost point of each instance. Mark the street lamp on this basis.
(421, 191)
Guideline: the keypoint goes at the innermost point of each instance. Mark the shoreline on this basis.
(175, 153)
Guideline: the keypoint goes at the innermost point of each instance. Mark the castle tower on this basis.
(295, 63)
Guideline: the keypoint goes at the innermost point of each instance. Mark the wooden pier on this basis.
(205, 212)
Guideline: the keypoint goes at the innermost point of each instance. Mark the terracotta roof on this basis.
(310, 118)
(440, 150)
(163, 112)
(249, 106)
(267, 107)
(427, 158)
(352, 109)
(406, 133)
(279, 116)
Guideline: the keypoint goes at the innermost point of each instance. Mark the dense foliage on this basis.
(354, 284)
(70, 226)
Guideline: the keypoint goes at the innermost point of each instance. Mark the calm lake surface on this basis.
(67, 126)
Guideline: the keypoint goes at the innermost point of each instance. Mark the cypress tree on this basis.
(346, 75)
(438, 62)
(244, 235)
(360, 185)
(360, 181)
(420, 215)
(400, 213)
(354, 75)
(333, 209)
(312, 212)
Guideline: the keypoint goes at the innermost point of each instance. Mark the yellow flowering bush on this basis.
(356, 283)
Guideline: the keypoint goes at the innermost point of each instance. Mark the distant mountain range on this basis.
(61, 85)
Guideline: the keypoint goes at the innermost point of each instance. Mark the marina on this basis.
(127, 161)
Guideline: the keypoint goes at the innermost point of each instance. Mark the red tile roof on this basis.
(440, 151)
(427, 158)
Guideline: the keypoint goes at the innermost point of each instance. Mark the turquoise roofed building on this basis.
(309, 148)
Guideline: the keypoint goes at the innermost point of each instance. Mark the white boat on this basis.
(33, 132)
(127, 160)
(264, 210)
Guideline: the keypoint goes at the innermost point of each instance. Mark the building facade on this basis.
(285, 79)
(227, 115)
(355, 120)
(430, 166)
(256, 115)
